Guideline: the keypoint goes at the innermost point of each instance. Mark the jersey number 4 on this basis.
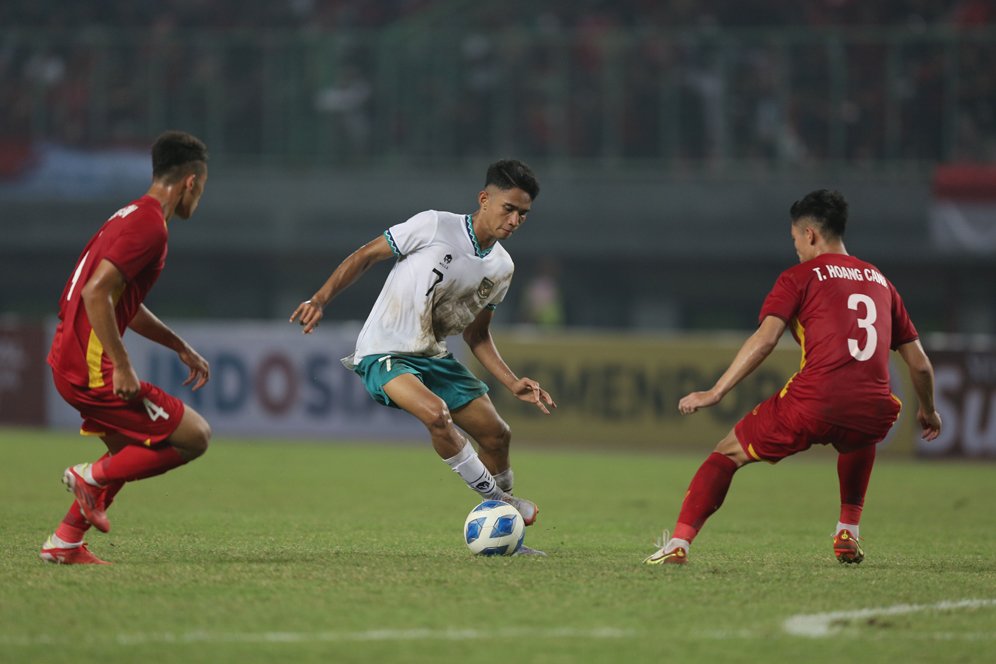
(155, 412)
(862, 353)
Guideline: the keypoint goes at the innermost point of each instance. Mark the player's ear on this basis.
(482, 199)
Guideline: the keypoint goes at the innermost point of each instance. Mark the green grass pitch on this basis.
(274, 551)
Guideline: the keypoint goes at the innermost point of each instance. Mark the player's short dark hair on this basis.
(511, 174)
(827, 208)
(176, 154)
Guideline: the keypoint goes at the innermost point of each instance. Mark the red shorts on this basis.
(149, 418)
(776, 429)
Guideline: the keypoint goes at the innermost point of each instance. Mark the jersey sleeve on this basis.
(500, 294)
(783, 300)
(903, 330)
(140, 242)
(413, 234)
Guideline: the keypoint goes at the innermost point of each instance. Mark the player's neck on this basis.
(168, 197)
(483, 234)
(834, 248)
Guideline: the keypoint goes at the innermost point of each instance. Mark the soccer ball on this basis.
(494, 528)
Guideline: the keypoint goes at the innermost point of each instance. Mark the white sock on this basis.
(60, 543)
(852, 527)
(468, 465)
(87, 474)
(675, 543)
(505, 480)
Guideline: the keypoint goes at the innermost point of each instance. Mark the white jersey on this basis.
(440, 283)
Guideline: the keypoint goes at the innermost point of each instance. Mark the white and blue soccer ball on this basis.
(494, 528)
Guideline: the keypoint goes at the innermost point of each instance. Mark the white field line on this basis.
(815, 625)
(139, 639)
(818, 625)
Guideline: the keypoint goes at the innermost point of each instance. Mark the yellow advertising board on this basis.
(622, 390)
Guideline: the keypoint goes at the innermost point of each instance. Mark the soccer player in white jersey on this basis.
(450, 274)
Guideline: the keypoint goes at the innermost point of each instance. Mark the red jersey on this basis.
(134, 240)
(846, 317)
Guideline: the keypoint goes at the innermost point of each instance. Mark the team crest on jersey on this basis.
(484, 289)
(445, 263)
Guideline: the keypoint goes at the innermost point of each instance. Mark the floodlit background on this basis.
(670, 139)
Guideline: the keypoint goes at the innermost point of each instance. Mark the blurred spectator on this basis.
(345, 104)
(542, 300)
(480, 80)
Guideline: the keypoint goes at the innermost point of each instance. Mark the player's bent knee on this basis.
(438, 418)
(203, 438)
(731, 448)
(499, 439)
(192, 436)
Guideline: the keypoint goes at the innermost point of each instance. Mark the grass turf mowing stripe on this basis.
(331, 637)
(819, 625)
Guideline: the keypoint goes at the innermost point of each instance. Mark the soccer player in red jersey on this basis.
(846, 317)
(147, 431)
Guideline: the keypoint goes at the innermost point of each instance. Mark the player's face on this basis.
(193, 188)
(505, 211)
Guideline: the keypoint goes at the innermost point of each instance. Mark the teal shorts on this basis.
(444, 376)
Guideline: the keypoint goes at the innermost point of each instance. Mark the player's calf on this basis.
(90, 496)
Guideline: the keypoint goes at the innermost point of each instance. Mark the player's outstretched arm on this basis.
(750, 356)
(478, 338)
(310, 312)
(922, 375)
(149, 326)
(98, 300)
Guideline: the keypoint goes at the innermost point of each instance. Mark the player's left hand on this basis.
(930, 423)
(528, 390)
(692, 402)
(200, 372)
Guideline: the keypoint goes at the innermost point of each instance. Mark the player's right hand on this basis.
(308, 314)
(692, 402)
(126, 383)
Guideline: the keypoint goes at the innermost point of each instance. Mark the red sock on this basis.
(705, 494)
(853, 472)
(73, 527)
(136, 463)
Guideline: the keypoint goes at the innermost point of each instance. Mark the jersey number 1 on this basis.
(76, 276)
(867, 324)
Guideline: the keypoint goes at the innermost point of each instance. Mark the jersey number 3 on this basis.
(867, 323)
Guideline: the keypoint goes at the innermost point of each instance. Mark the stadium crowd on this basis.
(331, 14)
(638, 79)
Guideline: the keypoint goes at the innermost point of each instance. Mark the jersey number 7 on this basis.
(439, 277)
